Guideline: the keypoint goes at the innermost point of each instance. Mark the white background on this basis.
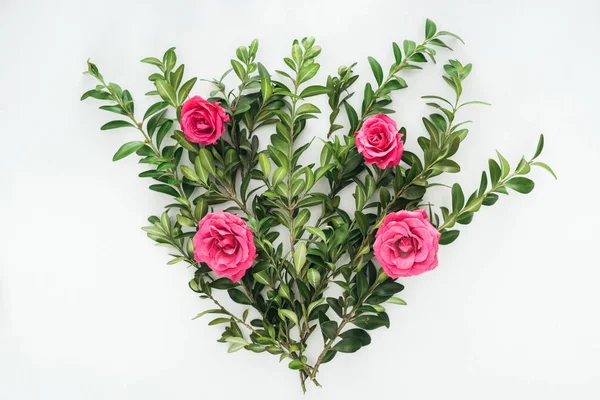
(89, 310)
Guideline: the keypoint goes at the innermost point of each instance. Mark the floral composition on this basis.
(247, 214)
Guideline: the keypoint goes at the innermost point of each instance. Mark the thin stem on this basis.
(451, 221)
(237, 319)
(290, 205)
(147, 140)
(302, 379)
(390, 76)
(345, 320)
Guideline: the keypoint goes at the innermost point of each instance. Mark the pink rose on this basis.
(406, 244)
(379, 142)
(225, 244)
(202, 122)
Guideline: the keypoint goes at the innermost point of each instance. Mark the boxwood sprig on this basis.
(499, 180)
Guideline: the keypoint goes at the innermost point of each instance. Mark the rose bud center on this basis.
(407, 245)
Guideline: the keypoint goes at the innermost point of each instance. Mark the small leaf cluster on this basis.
(495, 182)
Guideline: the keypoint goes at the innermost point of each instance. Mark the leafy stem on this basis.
(346, 318)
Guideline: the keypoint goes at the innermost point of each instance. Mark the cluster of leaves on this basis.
(288, 290)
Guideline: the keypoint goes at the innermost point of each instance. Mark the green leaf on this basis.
(362, 221)
(153, 61)
(185, 89)
(189, 173)
(180, 137)
(265, 85)
(154, 108)
(458, 197)
(312, 52)
(262, 277)
(96, 94)
(362, 285)
(239, 297)
(307, 108)
(523, 168)
(352, 116)
(296, 364)
(218, 321)
(483, 184)
(242, 53)
(545, 166)
(127, 149)
(284, 291)
(370, 322)
(359, 197)
(329, 329)
(164, 166)
(175, 77)
(313, 305)
(242, 108)
(465, 218)
(329, 356)
(358, 334)
(335, 306)
(213, 311)
(265, 164)
(504, 165)
(317, 232)
(430, 29)
(153, 122)
(394, 84)
(409, 47)
(166, 189)
(521, 184)
(253, 48)
(116, 124)
(307, 72)
(222, 284)
(314, 91)
(495, 171)
(93, 69)
(279, 174)
(239, 70)
(396, 300)
(446, 166)
(347, 346)
(114, 108)
(431, 129)
(299, 257)
(397, 53)
(237, 340)
(413, 192)
(475, 102)
(235, 347)
(439, 122)
(163, 131)
(388, 289)
(490, 199)
(297, 54)
(448, 237)
(377, 71)
(170, 59)
(314, 277)
(445, 33)
(207, 160)
(289, 314)
(166, 91)
(540, 147)
(367, 96)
